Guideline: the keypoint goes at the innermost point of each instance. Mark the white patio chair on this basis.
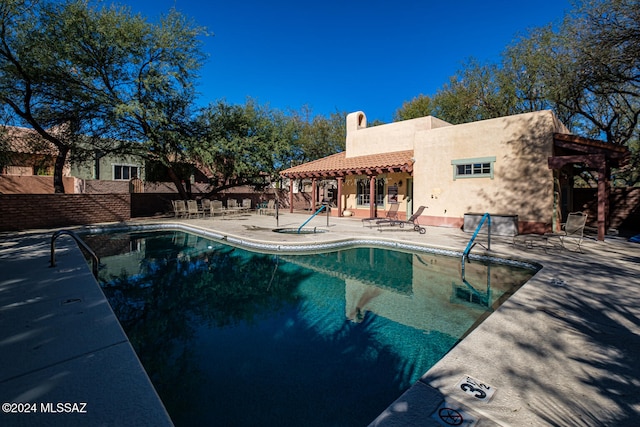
(192, 209)
(572, 230)
(179, 208)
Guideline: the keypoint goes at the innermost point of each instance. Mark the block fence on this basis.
(37, 211)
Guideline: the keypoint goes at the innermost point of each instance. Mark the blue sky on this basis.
(347, 55)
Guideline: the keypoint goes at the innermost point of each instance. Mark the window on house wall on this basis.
(473, 168)
(125, 172)
(362, 192)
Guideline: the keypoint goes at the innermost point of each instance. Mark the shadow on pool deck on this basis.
(564, 350)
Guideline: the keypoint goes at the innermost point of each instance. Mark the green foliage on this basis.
(68, 69)
(587, 71)
(317, 136)
(420, 106)
(250, 144)
(243, 144)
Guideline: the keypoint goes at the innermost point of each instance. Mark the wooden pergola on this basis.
(339, 166)
(596, 156)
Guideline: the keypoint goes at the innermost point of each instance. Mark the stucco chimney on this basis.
(355, 122)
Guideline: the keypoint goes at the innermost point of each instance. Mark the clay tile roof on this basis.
(339, 165)
(23, 140)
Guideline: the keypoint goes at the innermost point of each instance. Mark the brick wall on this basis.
(95, 186)
(33, 211)
(33, 184)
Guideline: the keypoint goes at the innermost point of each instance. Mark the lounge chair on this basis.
(179, 208)
(192, 209)
(413, 220)
(233, 207)
(391, 214)
(246, 205)
(205, 207)
(572, 230)
(216, 208)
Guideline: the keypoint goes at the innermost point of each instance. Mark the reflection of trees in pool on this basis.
(161, 305)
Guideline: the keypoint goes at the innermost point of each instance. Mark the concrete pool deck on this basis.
(563, 350)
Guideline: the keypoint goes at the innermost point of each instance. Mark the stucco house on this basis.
(519, 166)
(28, 164)
(29, 154)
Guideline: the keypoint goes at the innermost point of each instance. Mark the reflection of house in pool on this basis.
(423, 293)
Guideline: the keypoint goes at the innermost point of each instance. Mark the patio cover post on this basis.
(314, 195)
(291, 183)
(603, 200)
(339, 203)
(372, 196)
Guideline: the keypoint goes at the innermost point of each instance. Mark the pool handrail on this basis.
(465, 254)
(311, 217)
(96, 261)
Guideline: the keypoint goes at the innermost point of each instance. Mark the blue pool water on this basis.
(233, 337)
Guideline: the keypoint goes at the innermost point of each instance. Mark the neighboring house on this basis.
(28, 165)
(109, 167)
(28, 154)
(521, 166)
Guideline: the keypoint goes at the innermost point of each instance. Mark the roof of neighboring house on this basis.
(340, 165)
(25, 140)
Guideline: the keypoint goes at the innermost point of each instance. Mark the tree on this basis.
(40, 84)
(476, 92)
(317, 136)
(420, 106)
(603, 58)
(85, 78)
(241, 144)
(153, 90)
(589, 72)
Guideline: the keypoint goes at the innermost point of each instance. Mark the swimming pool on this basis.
(234, 337)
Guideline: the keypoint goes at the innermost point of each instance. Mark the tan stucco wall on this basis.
(398, 136)
(522, 182)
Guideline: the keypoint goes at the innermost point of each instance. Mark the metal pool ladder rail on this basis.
(312, 216)
(81, 243)
(465, 254)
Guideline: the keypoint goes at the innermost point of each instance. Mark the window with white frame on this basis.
(125, 172)
(363, 186)
(473, 168)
